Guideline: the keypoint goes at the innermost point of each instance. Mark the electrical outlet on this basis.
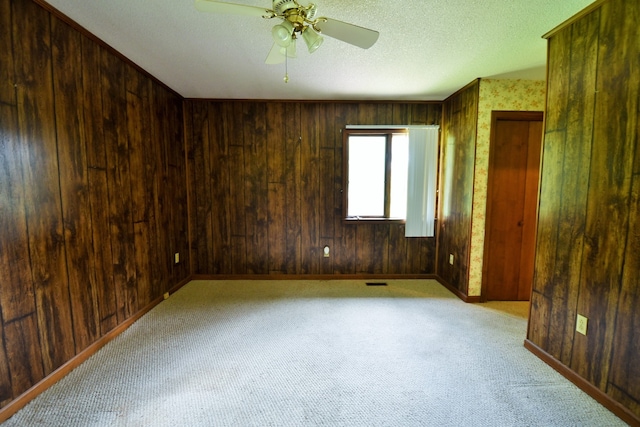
(451, 259)
(581, 324)
(176, 257)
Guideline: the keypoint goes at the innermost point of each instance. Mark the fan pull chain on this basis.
(286, 66)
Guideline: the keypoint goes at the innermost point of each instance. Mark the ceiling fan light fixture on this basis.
(312, 39)
(282, 33)
(290, 51)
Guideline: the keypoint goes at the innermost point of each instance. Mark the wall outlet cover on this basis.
(581, 324)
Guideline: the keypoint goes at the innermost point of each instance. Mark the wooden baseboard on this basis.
(464, 297)
(26, 397)
(601, 397)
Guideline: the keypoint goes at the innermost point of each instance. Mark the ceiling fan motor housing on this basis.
(281, 6)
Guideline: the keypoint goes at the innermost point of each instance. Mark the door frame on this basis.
(495, 116)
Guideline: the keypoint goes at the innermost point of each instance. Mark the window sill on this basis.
(369, 220)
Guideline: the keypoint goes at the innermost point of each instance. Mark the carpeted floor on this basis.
(316, 353)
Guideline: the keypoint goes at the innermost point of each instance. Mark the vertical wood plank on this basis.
(397, 249)
(234, 135)
(15, 301)
(236, 209)
(178, 175)
(344, 251)
(537, 331)
(6, 393)
(279, 127)
(69, 112)
(17, 296)
(32, 50)
(202, 201)
(141, 193)
(326, 178)
(97, 184)
(310, 186)
(381, 249)
(293, 190)
(192, 185)
(558, 81)
(220, 190)
(7, 78)
(256, 204)
(326, 173)
(277, 223)
(114, 104)
(23, 353)
(163, 190)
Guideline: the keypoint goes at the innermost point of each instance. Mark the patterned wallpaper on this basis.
(508, 95)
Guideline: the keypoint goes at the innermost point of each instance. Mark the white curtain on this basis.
(421, 191)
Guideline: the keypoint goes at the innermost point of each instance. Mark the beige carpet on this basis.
(316, 353)
(514, 308)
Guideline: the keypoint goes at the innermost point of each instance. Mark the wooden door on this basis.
(512, 195)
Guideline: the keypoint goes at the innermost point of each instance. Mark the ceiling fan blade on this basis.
(232, 8)
(349, 33)
(276, 55)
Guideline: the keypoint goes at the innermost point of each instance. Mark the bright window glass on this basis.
(367, 167)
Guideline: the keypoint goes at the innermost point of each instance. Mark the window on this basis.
(376, 174)
(390, 175)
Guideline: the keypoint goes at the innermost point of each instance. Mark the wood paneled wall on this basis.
(92, 193)
(457, 160)
(588, 243)
(265, 189)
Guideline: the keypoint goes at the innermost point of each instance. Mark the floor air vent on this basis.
(376, 284)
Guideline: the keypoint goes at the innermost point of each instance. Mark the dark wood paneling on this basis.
(98, 185)
(625, 371)
(36, 121)
(23, 353)
(457, 161)
(343, 253)
(14, 251)
(7, 89)
(312, 133)
(220, 217)
(16, 301)
(255, 183)
(80, 253)
(587, 241)
(281, 183)
(74, 185)
(114, 103)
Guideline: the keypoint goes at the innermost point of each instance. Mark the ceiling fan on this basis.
(297, 22)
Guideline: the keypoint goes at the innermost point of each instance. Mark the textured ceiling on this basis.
(427, 49)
